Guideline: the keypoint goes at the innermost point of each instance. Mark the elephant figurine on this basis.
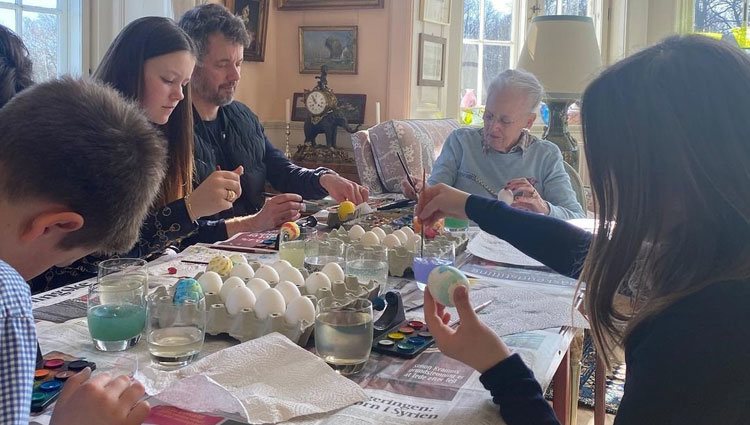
(327, 125)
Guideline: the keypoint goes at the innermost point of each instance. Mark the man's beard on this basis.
(209, 94)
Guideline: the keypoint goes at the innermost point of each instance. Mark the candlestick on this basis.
(377, 112)
(288, 111)
(288, 132)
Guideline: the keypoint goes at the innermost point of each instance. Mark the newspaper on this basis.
(492, 248)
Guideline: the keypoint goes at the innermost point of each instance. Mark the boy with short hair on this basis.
(79, 169)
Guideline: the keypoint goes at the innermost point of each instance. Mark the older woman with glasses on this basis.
(504, 155)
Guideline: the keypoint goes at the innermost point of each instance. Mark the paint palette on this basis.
(407, 339)
(50, 379)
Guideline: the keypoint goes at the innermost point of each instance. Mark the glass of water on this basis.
(436, 253)
(368, 263)
(116, 305)
(343, 333)
(319, 252)
(293, 250)
(175, 330)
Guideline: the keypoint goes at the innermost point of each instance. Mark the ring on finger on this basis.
(231, 195)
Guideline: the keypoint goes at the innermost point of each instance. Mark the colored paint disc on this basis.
(53, 363)
(41, 373)
(38, 397)
(417, 340)
(78, 365)
(386, 342)
(406, 330)
(425, 334)
(416, 324)
(405, 346)
(50, 386)
(64, 375)
(396, 336)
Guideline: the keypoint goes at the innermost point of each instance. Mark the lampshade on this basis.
(563, 53)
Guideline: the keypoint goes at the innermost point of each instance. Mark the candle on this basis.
(377, 112)
(288, 111)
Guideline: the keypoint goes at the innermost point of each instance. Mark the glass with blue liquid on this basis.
(436, 253)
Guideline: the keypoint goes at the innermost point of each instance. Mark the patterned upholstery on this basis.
(418, 141)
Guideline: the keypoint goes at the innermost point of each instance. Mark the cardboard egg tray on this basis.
(400, 259)
(401, 216)
(245, 325)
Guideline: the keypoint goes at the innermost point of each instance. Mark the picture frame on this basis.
(254, 13)
(436, 11)
(336, 47)
(329, 4)
(351, 105)
(431, 65)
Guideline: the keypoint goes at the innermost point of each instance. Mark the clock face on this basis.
(316, 103)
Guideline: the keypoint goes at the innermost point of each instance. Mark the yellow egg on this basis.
(346, 209)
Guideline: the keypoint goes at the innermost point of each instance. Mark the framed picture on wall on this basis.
(329, 4)
(332, 46)
(254, 13)
(351, 105)
(436, 11)
(431, 65)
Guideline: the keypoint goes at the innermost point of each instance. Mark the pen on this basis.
(477, 309)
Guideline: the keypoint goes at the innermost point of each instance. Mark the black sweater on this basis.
(690, 364)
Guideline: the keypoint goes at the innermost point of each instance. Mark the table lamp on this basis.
(562, 52)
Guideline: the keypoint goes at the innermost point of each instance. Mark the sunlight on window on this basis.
(40, 31)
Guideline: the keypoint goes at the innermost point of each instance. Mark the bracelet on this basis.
(191, 216)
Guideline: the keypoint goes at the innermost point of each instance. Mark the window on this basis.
(50, 29)
(493, 34)
(718, 19)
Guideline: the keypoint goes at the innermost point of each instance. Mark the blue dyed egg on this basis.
(442, 281)
(187, 289)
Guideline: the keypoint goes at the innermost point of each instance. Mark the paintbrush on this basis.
(414, 188)
(477, 309)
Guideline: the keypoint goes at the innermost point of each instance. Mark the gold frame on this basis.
(303, 69)
(423, 10)
(255, 53)
(329, 4)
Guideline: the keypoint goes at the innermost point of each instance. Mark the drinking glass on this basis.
(319, 252)
(343, 333)
(436, 253)
(117, 304)
(293, 250)
(368, 263)
(175, 330)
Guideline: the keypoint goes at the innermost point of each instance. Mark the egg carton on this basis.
(401, 259)
(367, 221)
(245, 325)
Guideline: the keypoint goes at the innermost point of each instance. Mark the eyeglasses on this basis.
(503, 120)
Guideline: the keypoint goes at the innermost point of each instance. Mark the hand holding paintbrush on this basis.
(417, 193)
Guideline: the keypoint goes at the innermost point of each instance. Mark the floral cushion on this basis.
(368, 173)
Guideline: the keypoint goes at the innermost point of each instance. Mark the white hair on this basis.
(520, 80)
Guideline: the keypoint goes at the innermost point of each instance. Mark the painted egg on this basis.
(257, 285)
(334, 272)
(229, 285)
(391, 241)
(210, 282)
(238, 259)
(289, 231)
(288, 290)
(280, 265)
(401, 236)
(346, 209)
(316, 281)
(356, 232)
(220, 264)
(506, 196)
(370, 239)
(300, 309)
(239, 298)
(443, 281)
(378, 231)
(293, 275)
(269, 302)
(407, 231)
(187, 289)
(267, 273)
(243, 271)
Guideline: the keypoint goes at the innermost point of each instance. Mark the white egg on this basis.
(210, 282)
(257, 285)
(505, 195)
(316, 281)
(267, 273)
(401, 236)
(378, 231)
(288, 290)
(334, 272)
(238, 259)
(269, 302)
(242, 270)
(228, 286)
(293, 275)
(239, 298)
(301, 308)
(356, 232)
(280, 265)
(407, 231)
(391, 241)
(414, 242)
(370, 239)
